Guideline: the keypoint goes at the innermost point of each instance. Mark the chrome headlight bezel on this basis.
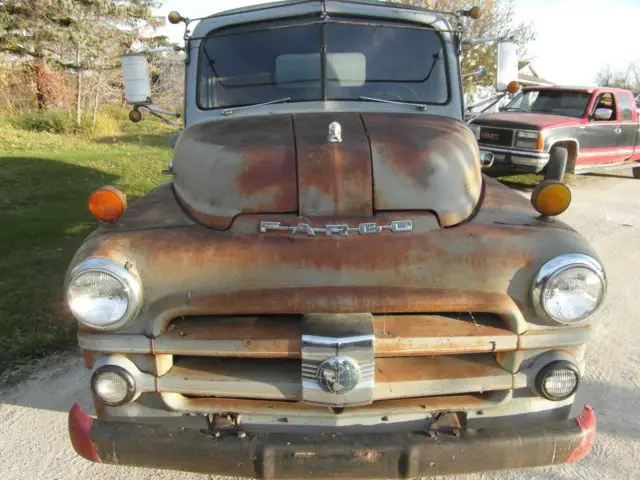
(556, 266)
(125, 276)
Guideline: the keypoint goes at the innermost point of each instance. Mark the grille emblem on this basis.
(337, 370)
(338, 375)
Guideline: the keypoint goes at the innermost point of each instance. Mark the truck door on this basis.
(628, 136)
(599, 141)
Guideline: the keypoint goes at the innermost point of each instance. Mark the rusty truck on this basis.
(327, 285)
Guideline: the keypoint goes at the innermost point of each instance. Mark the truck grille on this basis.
(496, 136)
(259, 357)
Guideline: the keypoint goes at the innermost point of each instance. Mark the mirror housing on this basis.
(507, 64)
(603, 113)
(137, 79)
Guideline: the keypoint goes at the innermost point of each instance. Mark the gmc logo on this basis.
(490, 135)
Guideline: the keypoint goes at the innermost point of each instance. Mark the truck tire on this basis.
(636, 172)
(557, 164)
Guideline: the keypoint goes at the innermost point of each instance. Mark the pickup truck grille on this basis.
(259, 357)
(496, 136)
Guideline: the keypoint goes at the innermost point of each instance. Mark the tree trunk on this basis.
(96, 101)
(78, 92)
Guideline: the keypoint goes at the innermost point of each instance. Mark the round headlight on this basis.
(113, 385)
(569, 288)
(558, 380)
(103, 294)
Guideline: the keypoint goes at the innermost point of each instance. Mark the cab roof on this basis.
(300, 8)
(322, 4)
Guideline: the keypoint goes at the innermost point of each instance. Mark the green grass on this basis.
(44, 183)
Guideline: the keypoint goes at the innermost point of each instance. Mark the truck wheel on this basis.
(557, 164)
(636, 172)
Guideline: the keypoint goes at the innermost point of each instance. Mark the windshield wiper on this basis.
(229, 111)
(419, 106)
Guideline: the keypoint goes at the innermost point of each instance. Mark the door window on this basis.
(606, 100)
(626, 106)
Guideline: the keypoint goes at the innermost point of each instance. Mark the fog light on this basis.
(558, 380)
(113, 385)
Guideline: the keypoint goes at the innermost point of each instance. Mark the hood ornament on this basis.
(335, 133)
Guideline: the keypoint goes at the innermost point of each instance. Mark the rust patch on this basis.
(279, 336)
(224, 168)
(89, 358)
(424, 162)
(390, 370)
(333, 179)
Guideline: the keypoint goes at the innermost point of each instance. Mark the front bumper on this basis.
(334, 455)
(516, 160)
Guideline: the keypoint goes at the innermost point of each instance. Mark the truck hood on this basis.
(285, 164)
(532, 121)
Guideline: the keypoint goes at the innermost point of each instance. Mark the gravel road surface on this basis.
(606, 209)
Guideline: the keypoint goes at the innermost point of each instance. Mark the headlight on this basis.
(558, 380)
(569, 288)
(103, 294)
(113, 385)
(528, 140)
(476, 130)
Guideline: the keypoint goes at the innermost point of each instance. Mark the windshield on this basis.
(251, 65)
(553, 102)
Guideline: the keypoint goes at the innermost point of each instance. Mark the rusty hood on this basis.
(286, 164)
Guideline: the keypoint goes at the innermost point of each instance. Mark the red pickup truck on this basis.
(553, 130)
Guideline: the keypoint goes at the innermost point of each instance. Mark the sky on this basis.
(574, 40)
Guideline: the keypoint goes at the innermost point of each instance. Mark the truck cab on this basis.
(328, 285)
(553, 130)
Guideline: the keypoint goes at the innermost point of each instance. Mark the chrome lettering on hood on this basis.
(397, 226)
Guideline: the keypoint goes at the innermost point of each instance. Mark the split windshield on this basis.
(333, 60)
(553, 102)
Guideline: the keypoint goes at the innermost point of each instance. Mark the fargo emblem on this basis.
(397, 226)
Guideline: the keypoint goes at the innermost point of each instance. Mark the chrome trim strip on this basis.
(622, 151)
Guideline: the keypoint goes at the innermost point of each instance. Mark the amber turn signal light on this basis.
(475, 12)
(513, 87)
(551, 198)
(107, 204)
(174, 17)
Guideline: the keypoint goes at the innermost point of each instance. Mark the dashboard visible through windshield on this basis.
(322, 60)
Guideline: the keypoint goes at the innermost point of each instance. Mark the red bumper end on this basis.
(587, 423)
(79, 432)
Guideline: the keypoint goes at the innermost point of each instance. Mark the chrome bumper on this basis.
(516, 159)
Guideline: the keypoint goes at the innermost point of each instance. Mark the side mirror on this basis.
(603, 113)
(137, 80)
(507, 64)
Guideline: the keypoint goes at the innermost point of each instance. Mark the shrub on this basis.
(107, 124)
(51, 121)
